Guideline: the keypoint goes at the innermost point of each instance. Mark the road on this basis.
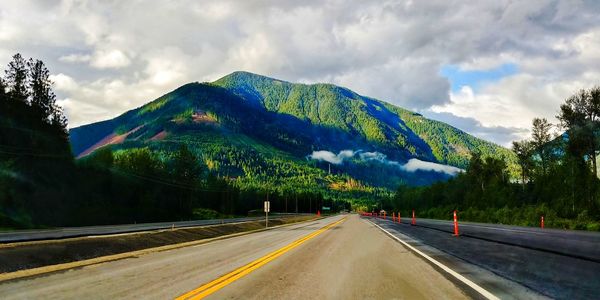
(554, 263)
(349, 259)
(71, 232)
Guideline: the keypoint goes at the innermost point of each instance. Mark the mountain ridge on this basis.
(292, 120)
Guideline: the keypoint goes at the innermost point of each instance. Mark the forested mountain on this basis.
(264, 132)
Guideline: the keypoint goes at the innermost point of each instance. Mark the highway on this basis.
(511, 261)
(340, 257)
(71, 232)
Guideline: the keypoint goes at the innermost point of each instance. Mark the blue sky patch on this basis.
(459, 78)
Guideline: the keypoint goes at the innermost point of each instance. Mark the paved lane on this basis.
(512, 261)
(574, 243)
(351, 260)
(355, 260)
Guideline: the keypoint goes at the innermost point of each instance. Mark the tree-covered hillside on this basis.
(260, 132)
(397, 132)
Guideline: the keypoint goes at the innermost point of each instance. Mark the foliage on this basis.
(558, 178)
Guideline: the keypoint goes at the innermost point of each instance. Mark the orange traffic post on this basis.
(318, 213)
(399, 221)
(414, 222)
(455, 224)
(384, 213)
(393, 217)
(542, 222)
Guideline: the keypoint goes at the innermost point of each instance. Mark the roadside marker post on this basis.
(318, 213)
(455, 224)
(542, 222)
(384, 214)
(414, 221)
(399, 220)
(267, 209)
(393, 217)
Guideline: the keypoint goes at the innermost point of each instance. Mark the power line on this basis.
(157, 180)
(34, 154)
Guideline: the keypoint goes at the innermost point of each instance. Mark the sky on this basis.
(486, 67)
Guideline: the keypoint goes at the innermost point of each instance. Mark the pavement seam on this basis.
(483, 292)
(108, 258)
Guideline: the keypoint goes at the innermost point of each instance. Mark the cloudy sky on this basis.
(487, 67)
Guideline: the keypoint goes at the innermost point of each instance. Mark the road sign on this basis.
(326, 208)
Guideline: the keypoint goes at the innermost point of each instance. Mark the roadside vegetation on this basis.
(557, 178)
(42, 184)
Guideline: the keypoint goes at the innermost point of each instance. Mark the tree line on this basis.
(558, 176)
(42, 184)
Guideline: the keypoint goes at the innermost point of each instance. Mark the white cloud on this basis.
(64, 83)
(108, 59)
(414, 165)
(331, 157)
(499, 134)
(125, 53)
(75, 58)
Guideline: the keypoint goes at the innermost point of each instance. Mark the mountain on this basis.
(261, 131)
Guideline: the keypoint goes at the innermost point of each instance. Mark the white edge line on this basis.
(466, 281)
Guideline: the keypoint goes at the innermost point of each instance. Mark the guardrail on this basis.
(73, 232)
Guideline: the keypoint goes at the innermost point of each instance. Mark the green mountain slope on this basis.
(404, 133)
(260, 131)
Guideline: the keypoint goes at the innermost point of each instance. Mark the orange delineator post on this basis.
(542, 222)
(384, 213)
(393, 217)
(318, 213)
(455, 224)
(399, 220)
(414, 222)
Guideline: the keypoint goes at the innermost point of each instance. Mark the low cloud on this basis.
(412, 165)
(331, 157)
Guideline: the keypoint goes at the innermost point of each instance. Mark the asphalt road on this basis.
(351, 260)
(71, 232)
(554, 263)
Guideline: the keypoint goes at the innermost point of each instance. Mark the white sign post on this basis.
(267, 209)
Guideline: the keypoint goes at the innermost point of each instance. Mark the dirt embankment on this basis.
(28, 255)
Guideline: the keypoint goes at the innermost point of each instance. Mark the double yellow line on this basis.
(228, 278)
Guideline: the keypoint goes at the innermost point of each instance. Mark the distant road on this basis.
(340, 257)
(561, 264)
(71, 232)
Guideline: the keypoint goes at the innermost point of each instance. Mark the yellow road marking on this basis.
(228, 278)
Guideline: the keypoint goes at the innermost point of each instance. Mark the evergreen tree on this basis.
(186, 168)
(40, 88)
(16, 79)
(541, 136)
(59, 121)
(580, 116)
(3, 95)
